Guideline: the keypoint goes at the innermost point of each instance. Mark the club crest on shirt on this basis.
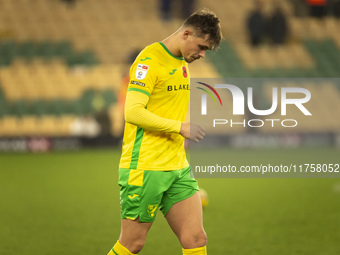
(141, 71)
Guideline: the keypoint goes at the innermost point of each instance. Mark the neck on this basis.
(172, 44)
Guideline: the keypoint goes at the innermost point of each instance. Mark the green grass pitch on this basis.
(68, 203)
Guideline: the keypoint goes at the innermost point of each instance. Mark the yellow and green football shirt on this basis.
(159, 81)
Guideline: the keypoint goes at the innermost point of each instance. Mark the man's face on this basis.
(195, 47)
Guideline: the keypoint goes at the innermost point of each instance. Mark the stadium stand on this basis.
(57, 62)
(312, 51)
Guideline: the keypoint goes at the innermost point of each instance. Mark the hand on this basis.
(192, 131)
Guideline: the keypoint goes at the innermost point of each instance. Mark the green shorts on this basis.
(143, 192)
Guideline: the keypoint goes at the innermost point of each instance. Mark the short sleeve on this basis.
(143, 74)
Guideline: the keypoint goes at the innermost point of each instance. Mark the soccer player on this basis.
(153, 171)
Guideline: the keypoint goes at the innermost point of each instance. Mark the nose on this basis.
(202, 53)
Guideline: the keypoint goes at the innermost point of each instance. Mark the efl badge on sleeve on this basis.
(141, 71)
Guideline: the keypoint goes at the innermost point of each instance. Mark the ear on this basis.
(186, 33)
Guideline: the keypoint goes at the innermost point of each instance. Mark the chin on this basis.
(189, 60)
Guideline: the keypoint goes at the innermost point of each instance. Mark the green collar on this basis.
(167, 50)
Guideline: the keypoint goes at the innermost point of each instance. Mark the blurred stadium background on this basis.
(63, 76)
(64, 64)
